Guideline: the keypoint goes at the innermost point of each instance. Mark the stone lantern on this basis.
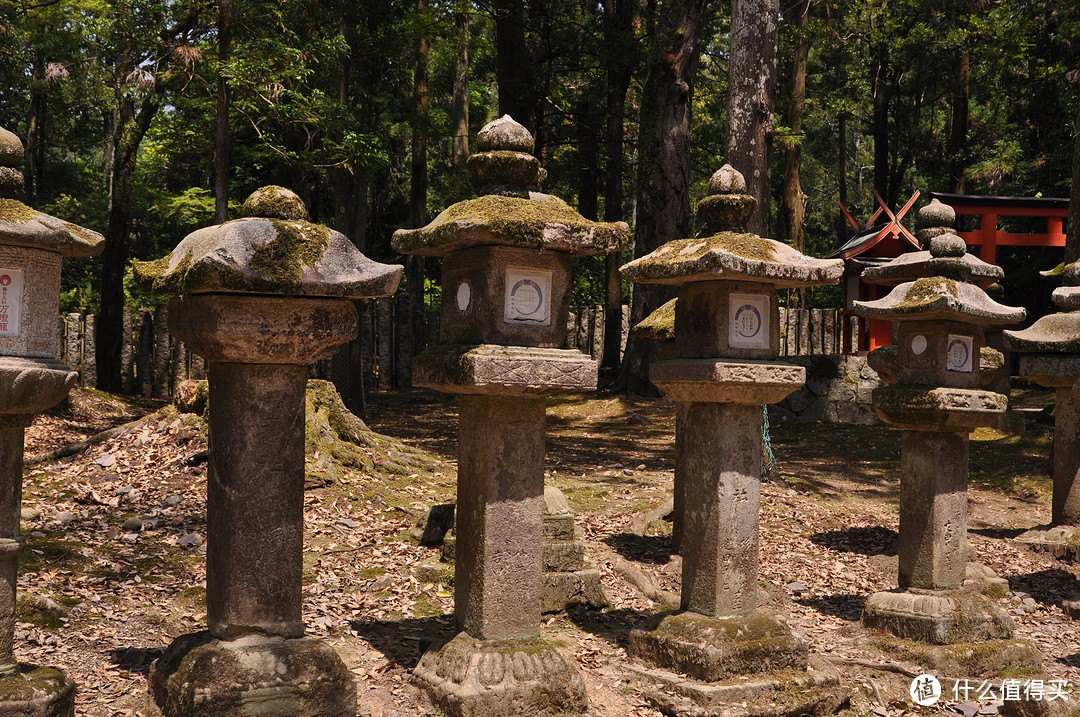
(1051, 348)
(727, 336)
(259, 298)
(505, 303)
(32, 380)
(933, 377)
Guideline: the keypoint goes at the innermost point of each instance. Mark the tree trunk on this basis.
(841, 176)
(664, 158)
(221, 140)
(418, 188)
(588, 159)
(513, 67)
(959, 126)
(459, 108)
(751, 98)
(109, 121)
(131, 128)
(33, 137)
(793, 196)
(1072, 237)
(619, 48)
(881, 122)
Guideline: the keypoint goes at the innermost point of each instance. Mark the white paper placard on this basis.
(748, 319)
(11, 292)
(960, 353)
(528, 297)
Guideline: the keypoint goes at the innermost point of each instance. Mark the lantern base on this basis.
(786, 693)
(937, 616)
(199, 676)
(37, 692)
(712, 649)
(467, 677)
(559, 590)
(1061, 541)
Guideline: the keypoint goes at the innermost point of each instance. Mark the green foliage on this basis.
(321, 101)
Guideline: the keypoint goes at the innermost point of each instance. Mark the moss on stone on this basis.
(726, 212)
(514, 221)
(926, 291)
(82, 233)
(675, 254)
(343, 438)
(14, 211)
(274, 202)
(659, 325)
(993, 658)
(297, 245)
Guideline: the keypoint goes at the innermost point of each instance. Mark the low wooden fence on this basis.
(380, 358)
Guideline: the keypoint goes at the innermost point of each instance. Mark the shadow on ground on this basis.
(1048, 587)
(868, 540)
(614, 626)
(654, 549)
(405, 641)
(842, 605)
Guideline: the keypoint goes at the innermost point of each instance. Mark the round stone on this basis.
(275, 202)
(936, 214)
(727, 180)
(946, 245)
(505, 134)
(11, 149)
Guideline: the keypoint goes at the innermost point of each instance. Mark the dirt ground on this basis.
(828, 529)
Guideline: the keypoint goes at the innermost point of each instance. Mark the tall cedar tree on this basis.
(664, 158)
(751, 98)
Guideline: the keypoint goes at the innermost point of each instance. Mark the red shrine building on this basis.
(884, 237)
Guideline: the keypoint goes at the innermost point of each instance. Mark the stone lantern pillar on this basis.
(505, 293)
(259, 299)
(1051, 348)
(32, 380)
(932, 393)
(727, 336)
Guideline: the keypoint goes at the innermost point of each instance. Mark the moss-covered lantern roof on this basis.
(659, 325)
(939, 284)
(727, 251)
(1054, 333)
(22, 226)
(274, 249)
(937, 297)
(510, 211)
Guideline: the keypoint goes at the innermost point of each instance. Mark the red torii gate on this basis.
(988, 237)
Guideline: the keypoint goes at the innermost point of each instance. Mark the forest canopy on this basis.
(146, 120)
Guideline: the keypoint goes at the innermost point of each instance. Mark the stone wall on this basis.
(837, 390)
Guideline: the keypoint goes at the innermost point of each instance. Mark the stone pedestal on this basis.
(727, 337)
(1061, 538)
(481, 678)
(500, 504)
(34, 385)
(499, 664)
(568, 579)
(254, 657)
(719, 461)
(934, 374)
